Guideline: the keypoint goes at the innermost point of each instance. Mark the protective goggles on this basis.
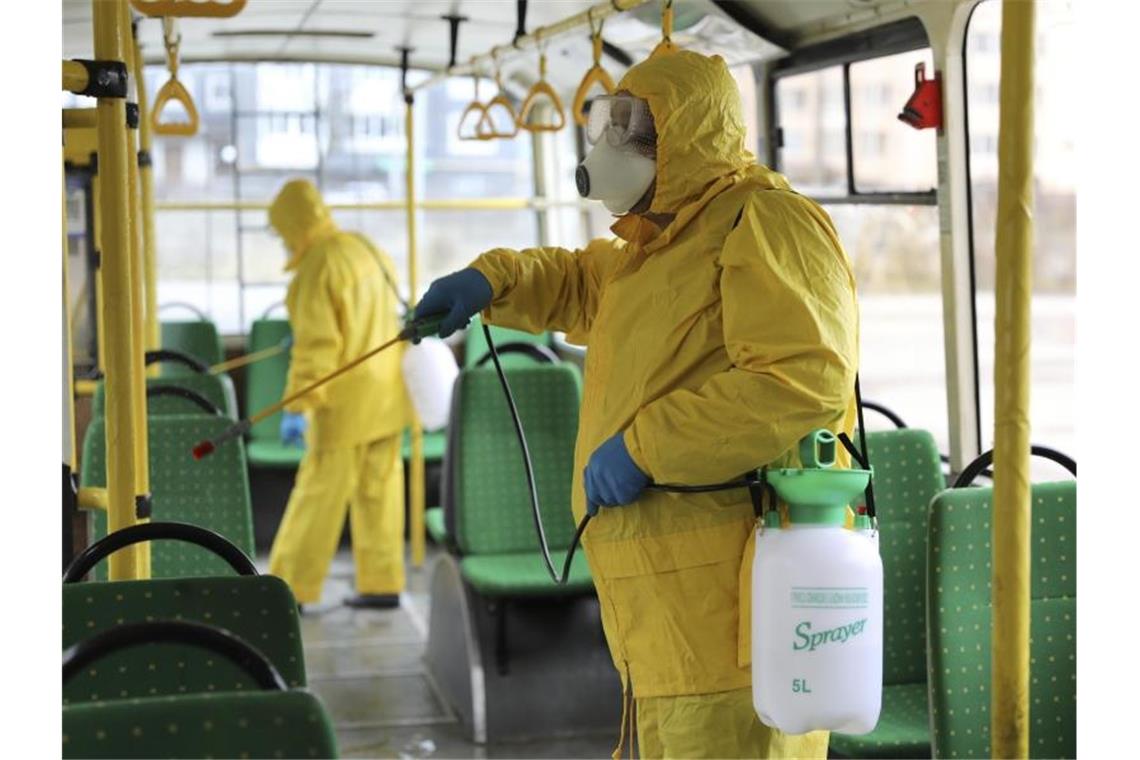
(624, 121)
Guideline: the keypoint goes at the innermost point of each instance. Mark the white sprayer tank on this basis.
(817, 606)
(430, 370)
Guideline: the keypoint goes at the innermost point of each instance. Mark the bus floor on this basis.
(367, 667)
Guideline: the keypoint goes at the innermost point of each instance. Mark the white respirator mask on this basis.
(621, 165)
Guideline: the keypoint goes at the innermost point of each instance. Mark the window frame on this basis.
(904, 36)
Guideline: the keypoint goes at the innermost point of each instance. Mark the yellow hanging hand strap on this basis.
(595, 76)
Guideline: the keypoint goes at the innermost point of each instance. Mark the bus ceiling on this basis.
(344, 31)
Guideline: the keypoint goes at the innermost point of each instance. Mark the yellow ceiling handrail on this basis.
(502, 101)
(173, 90)
(475, 106)
(542, 89)
(596, 75)
(666, 46)
(189, 8)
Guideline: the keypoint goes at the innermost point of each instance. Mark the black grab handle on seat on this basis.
(178, 357)
(192, 396)
(536, 351)
(193, 534)
(201, 315)
(223, 643)
(982, 463)
(886, 412)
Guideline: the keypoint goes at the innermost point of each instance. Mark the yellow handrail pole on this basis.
(138, 305)
(79, 118)
(75, 76)
(100, 294)
(1009, 707)
(416, 468)
(115, 237)
(146, 179)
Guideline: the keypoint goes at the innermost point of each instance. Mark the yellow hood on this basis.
(301, 218)
(700, 126)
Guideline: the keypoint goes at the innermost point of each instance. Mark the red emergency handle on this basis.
(924, 109)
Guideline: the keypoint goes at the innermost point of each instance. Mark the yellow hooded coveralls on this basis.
(340, 306)
(715, 344)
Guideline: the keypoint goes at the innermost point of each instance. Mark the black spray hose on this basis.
(530, 480)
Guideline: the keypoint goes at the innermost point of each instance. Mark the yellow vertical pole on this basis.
(138, 302)
(115, 239)
(416, 470)
(100, 328)
(1009, 710)
(146, 187)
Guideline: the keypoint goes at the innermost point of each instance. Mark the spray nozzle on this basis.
(418, 328)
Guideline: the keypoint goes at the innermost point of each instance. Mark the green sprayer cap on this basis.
(817, 494)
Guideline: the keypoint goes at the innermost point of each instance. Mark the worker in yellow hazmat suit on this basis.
(721, 327)
(340, 306)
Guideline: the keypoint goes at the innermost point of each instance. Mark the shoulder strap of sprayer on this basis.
(383, 269)
(757, 488)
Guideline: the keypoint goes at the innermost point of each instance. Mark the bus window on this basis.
(887, 155)
(1053, 326)
(809, 109)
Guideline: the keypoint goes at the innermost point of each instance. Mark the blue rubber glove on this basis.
(612, 477)
(462, 295)
(293, 429)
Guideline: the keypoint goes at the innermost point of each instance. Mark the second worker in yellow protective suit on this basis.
(341, 305)
(721, 327)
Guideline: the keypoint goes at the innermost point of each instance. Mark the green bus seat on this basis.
(476, 348)
(265, 385)
(212, 493)
(487, 502)
(250, 724)
(908, 474)
(434, 522)
(258, 609)
(435, 444)
(198, 337)
(217, 389)
(958, 584)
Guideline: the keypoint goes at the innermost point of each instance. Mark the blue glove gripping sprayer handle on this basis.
(418, 328)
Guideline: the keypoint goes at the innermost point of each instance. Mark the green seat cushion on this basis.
(433, 519)
(908, 474)
(485, 478)
(260, 610)
(212, 493)
(524, 574)
(265, 380)
(274, 454)
(254, 724)
(435, 444)
(199, 338)
(961, 616)
(217, 389)
(903, 729)
(476, 345)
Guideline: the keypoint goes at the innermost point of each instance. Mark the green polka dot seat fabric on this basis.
(264, 724)
(486, 500)
(198, 338)
(260, 610)
(476, 346)
(211, 493)
(217, 389)
(265, 385)
(960, 620)
(908, 474)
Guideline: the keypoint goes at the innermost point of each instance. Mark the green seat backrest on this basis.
(908, 474)
(212, 493)
(198, 337)
(252, 724)
(258, 609)
(476, 346)
(960, 618)
(265, 380)
(217, 389)
(485, 487)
